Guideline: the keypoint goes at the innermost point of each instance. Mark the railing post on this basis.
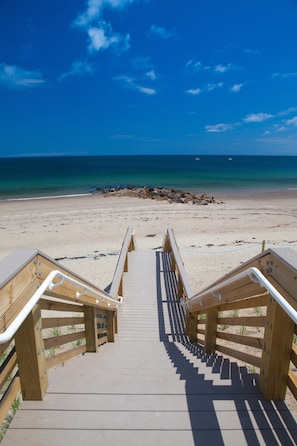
(211, 330)
(110, 320)
(191, 326)
(91, 328)
(180, 288)
(276, 354)
(31, 357)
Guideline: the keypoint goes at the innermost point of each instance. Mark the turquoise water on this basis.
(50, 176)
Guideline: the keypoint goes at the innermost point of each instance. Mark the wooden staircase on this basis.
(152, 386)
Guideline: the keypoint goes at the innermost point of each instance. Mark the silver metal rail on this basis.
(255, 276)
(49, 284)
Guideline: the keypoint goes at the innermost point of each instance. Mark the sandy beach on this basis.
(86, 233)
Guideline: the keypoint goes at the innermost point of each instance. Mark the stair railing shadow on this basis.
(259, 420)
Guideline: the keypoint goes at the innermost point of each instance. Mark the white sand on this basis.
(213, 239)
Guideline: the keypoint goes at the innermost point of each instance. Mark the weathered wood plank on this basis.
(294, 355)
(7, 367)
(18, 300)
(54, 361)
(292, 383)
(246, 321)
(51, 322)
(253, 302)
(242, 356)
(4, 347)
(46, 304)
(9, 397)
(250, 341)
(57, 341)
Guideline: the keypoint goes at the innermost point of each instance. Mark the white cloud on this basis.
(193, 66)
(194, 92)
(253, 51)
(130, 82)
(257, 117)
(211, 87)
(95, 9)
(151, 75)
(12, 76)
(78, 68)
(285, 75)
(100, 33)
(222, 68)
(292, 121)
(236, 88)
(162, 32)
(208, 87)
(103, 37)
(219, 128)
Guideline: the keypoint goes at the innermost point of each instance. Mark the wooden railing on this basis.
(122, 265)
(71, 317)
(241, 319)
(184, 289)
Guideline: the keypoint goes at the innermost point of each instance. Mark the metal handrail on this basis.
(255, 276)
(48, 283)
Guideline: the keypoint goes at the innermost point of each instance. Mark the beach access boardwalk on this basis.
(151, 386)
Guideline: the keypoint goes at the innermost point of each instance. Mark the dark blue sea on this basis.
(55, 176)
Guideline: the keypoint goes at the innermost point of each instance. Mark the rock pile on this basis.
(159, 193)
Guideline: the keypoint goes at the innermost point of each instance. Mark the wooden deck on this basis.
(151, 386)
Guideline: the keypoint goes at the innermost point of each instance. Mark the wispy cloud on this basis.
(219, 128)
(223, 68)
(285, 75)
(95, 9)
(15, 77)
(99, 32)
(162, 33)
(257, 117)
(151, 74)
(292, 121)
(253, 51)
(208, 87)
(78, 68)
(130, 82)
(194, 66)
(277, 126)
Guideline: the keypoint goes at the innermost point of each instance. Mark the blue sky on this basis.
(148, 77)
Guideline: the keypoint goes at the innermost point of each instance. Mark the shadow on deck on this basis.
(216, 409)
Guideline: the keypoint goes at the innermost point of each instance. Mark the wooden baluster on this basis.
(31, 357)
(211, 330)
(110, 320)
(91, 328)
(276, 354)
(192, 326)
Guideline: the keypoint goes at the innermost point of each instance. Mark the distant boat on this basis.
(197, 158)
(229, 159)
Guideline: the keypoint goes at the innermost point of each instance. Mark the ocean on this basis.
(58, 176)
